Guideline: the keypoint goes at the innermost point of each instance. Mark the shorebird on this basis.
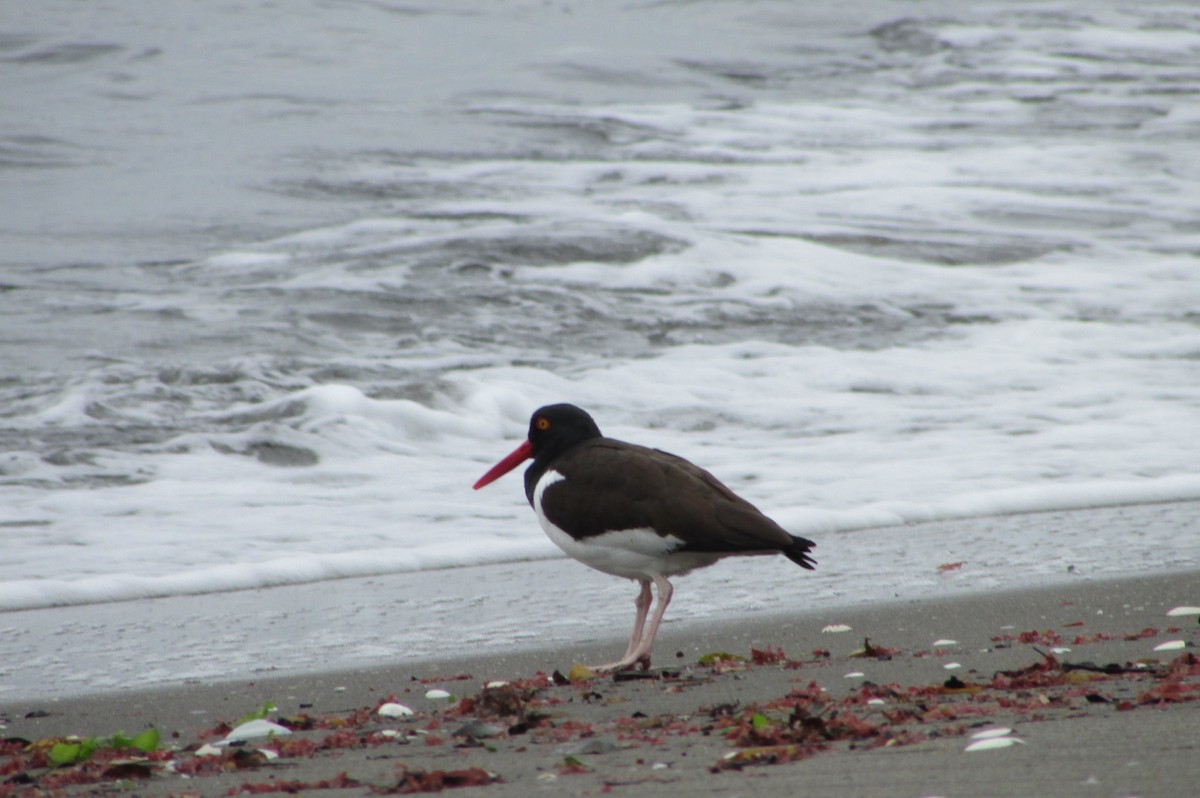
(635, 512)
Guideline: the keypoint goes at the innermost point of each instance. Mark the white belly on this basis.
(630, 553)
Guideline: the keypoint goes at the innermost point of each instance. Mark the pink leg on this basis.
(642, 602)
(639, 653)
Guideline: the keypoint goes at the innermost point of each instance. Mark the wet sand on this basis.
(1071, 669)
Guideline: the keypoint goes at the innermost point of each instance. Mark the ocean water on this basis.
(279, 282)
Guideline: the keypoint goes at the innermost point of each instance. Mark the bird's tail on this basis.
(798, 552)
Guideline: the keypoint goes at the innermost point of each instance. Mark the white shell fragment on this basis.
(254, 728)
(855, 675)
(952, 666)
(944, 641)
(993, 743)
(495, 684)
(877, 702)
(987, 734)
(834, 628)
(1171, 645)
(437, 695)
(992, 739)
(208, 750)
(1178, 611)
(393, 710)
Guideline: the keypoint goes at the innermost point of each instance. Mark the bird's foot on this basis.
(627, 663)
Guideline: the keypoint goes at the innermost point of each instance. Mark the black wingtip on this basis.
(798, 553)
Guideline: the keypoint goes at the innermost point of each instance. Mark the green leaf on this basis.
(759, 721)
(147, 741)
(65, 754)
(259, 714)
(62, 754)
(73, 753)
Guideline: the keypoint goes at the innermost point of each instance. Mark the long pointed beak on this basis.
(518, 456)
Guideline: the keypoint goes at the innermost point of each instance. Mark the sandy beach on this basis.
(1097, 683)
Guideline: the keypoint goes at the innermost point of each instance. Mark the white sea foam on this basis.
(945, 277)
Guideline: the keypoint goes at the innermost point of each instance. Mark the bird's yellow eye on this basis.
(543, 423)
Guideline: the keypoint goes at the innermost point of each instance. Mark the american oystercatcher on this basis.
(635, 512)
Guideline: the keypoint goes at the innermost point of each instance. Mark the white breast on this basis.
(630, 553)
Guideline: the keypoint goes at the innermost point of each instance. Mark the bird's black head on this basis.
(554, 429)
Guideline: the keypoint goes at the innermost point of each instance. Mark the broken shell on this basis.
(1171, 645)
(993, 743)
(987, 734)
(253, 729)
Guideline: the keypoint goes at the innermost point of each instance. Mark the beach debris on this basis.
(1171, 645)
(636, 676)
(258, 714)
(508, 700)
(944, 641)
(855, 675)
(951, 566)
(476, 729)
(952, 665)
(720, 658)
(125, 769)
(572, 765)
(835, 628)
(252, 730)
(763, 755)
(438, 694)
(393, 710)
(592, 746)
(992, 740)
(987, 734)
(1145, 634)
(957, 685)
(249, 758)
(455, 677)
(993, 744)
(494, 684)
(771, 655)
(870, 651)
(341, 781)
(1176, 612)
(208, 749)
(580, 673)
(64, 751)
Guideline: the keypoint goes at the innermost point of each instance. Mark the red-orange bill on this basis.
(518, 456)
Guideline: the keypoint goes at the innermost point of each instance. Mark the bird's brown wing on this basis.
(611, 485)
